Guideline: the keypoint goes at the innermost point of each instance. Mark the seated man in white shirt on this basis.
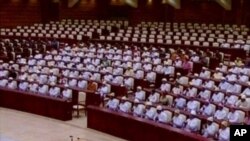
(108, 78)
(205, 94)
(218, 74)
(43, 79)
(224, 132)
(72, 83)
(218, 97)
(165, 87)
(169, 70)
(54, 91)
(67, 93)
(104, 89)
(140, 94)
(210, 128)
(234, 88)
(43, 89)
(151, 112)
(151, 76)
(3, 82)
(231, 77)
(154, 97)
(196, 81)
(118, 80)
(177, 89)
(82, 84)
(12, 84)
(243, 102)
(231, 100)
(191, 92)
(164, 116)
(224, 84)
(180, 102)
(221, 113)
(179, 119)
(209, 84)
(52, 78)
(236, 116)
(178, 62)
(208, 109)
(139, 74)
(193, 105)
(125, 106)
(33, 87)
(23, 86)
(181, 79)
(4, 73)
(159, 69)
(243, 78)
(193, 123)
(136, 66)
(205, 73)
(129, 72)
(129, 82)
(246, 92)
(138, 109)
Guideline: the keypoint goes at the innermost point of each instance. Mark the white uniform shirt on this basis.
(178, 121)
(125, 107)
(193, 105)
(139, 74)
(12, 85)
(140, 95)
(3, 82)
(206, 94)
(193, 125)
(231, 100)
(211, 130)
(154, 98)
(218, 97)
(23, 86)
(151, 76)
(224, 134)
(221, 114)
(67, 93)
(165, 117)
(165, 87)
(72, 82)
(151, 113)
(180, 103)
(82, 84)
(139, 110)
(54, 91)
(43, 89)
(208, 110)
(183, 80)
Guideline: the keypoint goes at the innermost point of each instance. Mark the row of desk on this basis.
(134, 128)
(36, 104)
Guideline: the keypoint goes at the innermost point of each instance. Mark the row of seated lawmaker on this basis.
(37, 67)
(11, 48)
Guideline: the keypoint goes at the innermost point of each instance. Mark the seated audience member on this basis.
(231, 100)
(23, 86)
(193, 123)
(169, 70)
(164, 116)
(118, 80)
(3, 82)
(165, 87)
(33, 87)
(151, 76)
(177, 89)
(154, 97)
(205, 73)
(92, 86)
(140, 94)
(129, 82)
(193, 105)
(190, 92)
(138, 108)
(208, 109)
(243, 102)
(4, 73)
(43, 89)
(52, 78)
(139, 74)
(243, 78)
(218, 97)
(12, 84)
(196, 81)
(151, 111)
(221, 113)
(224, 132)
(181, 79)
(67, 93)
(125, 106)
(209, 84)
(180, 102)
(210, 128)
(205, 94)
(129, 72)
(72, 82)
(236, 116)
(186, 65)
(246, 92)
(218, 75)
(179, 119)
(166, 99)
(234, 88)
(104, 89)
(54, 91)
(82, 84)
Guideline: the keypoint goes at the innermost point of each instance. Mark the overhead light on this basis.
(175, 3)
(132, 3)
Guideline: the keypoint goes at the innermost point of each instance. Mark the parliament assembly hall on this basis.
(124, 70)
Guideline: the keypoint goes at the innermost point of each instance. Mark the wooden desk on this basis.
(36, 104)
(133, 128)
